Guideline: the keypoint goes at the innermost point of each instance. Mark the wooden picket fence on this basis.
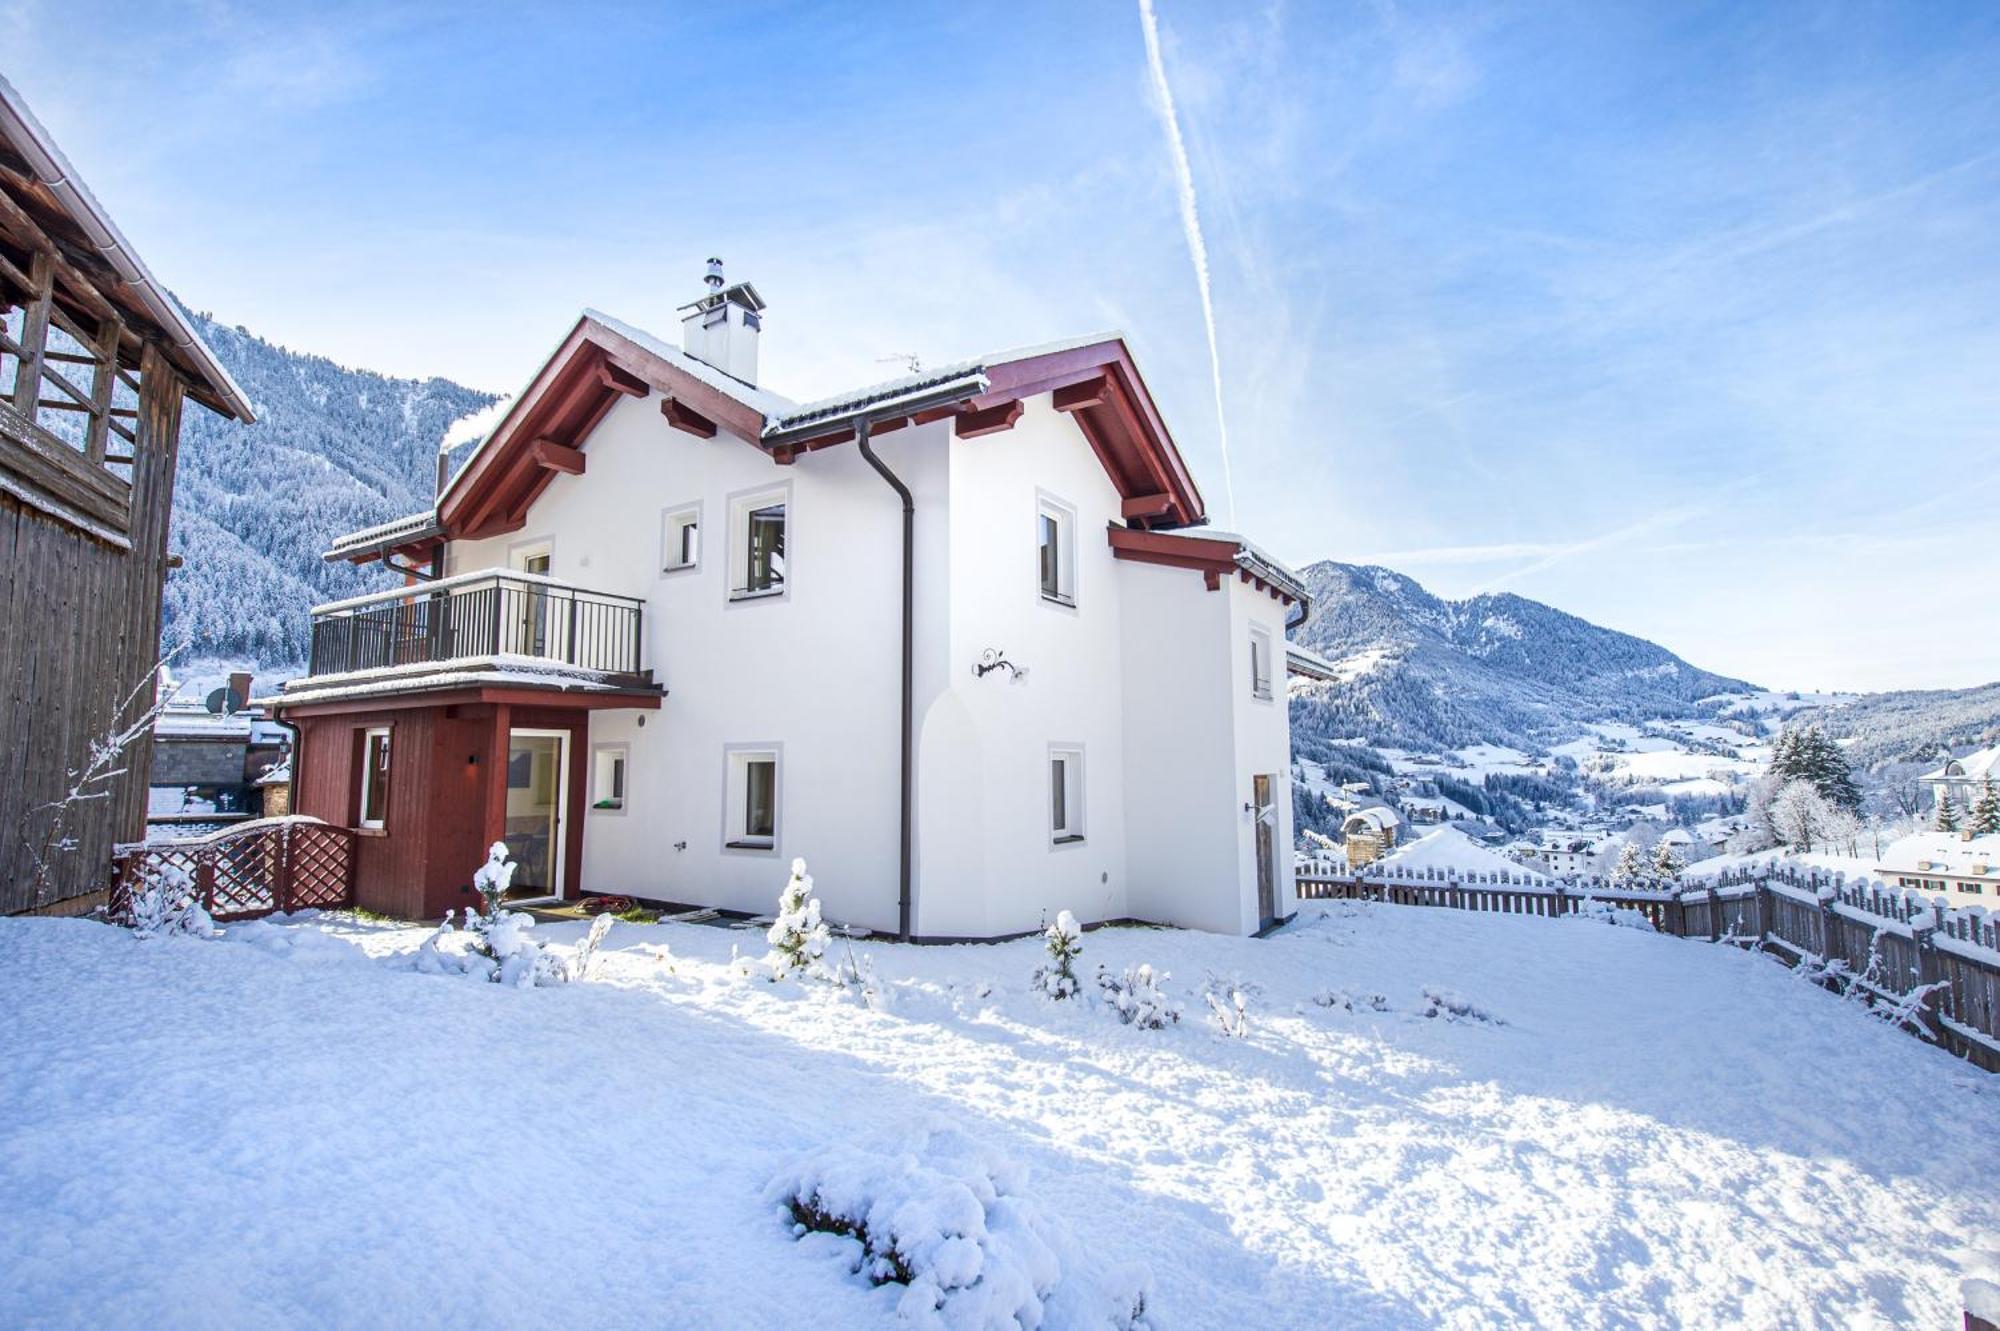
(251, 869)
(1937, 969)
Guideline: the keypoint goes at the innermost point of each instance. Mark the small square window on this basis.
(373, 806)
(1065, 796)
(1260, 662)
(609, 764)
(680, 539)
(750, 800)
(1055, 550)
(759, 544)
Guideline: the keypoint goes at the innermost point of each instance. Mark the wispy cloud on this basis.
(1163, 104)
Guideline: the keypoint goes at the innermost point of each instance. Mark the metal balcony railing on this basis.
(477, 615)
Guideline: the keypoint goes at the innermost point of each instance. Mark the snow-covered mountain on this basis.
(1421, 672)
(1912, 726)
(333, 449)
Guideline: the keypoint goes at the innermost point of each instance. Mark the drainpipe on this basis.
(909, 667)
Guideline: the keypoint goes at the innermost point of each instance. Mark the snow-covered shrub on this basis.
(586, 951)
(498, 947)
(164, 902)
(858, 976)
(935, 1211)
(1137, 998)
(1342, 1001)
(1454, 1007)
(1064, 940)
(798, 936)
(1228, 997)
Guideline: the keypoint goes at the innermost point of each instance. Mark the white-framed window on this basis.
(1260, 662)
(610, 770)
(1055, 550)
(372, 806)
(760, 543)
(680, 538)
(750, 798)
(1065, 794)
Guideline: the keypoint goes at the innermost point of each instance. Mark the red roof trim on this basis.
(1213, 557)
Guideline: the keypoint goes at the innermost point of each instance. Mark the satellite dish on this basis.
(217, 700)
(236, 701)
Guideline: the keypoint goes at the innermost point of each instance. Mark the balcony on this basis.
(481, 617)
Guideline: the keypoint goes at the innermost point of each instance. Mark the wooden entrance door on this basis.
(1267, 865)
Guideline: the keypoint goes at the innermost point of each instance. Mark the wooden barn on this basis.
(97, 364)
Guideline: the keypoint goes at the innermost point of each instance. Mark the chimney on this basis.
(239, 689)
(720, 328)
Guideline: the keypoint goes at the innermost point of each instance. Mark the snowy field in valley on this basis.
(1434, 1119)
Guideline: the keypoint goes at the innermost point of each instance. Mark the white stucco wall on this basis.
(814, 673)
(987, 861)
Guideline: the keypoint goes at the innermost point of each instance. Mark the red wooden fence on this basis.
(251, 869)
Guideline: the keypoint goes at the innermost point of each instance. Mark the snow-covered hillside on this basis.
(255, 506)
(1435, 1118)
(1420, 672)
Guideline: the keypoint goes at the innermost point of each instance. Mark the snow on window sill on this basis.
(753, 594)
(1076, 840)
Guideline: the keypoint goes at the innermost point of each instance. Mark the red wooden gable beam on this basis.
(1075, 397)
(553, 455)
(683, 417)
(1146, 506)
(973, 424)
(1214, 559)
(620, 380)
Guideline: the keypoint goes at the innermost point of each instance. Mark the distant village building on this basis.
(1563, 856)
(211, 764)
(1964, 779)
(97, 365)
(1963, 869)
(1370, 834)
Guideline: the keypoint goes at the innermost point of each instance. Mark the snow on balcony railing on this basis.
(492, 613)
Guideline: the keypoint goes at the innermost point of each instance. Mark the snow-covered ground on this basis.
(286, 1126)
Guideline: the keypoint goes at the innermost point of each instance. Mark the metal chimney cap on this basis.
(714, 278)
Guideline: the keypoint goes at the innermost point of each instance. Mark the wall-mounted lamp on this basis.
(994, 658)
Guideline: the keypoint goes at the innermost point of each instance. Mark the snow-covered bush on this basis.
(1137, 998)
(164, 902)
(498, 947)
(1064, 940)
(586, 951)
(1454, 1007)
(1593, 910)
(935, 1211)
(798, 936)
(1342, 1001)
(858, 976)
(1228, 997)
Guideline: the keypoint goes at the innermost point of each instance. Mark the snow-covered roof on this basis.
(1254, 558)
(1381, 817)
(1980, 766)
(1305, 661)
(470, 672)
(1449, 848)
(760, 400)
(197, 722)
(1943, 853)
(410, 527)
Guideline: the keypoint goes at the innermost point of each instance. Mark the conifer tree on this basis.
(1631, 862)
(1947, 812)
(1666, 864)
(1986, 812)
(798, 936)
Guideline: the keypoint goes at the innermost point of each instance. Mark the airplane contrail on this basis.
(1191, 225)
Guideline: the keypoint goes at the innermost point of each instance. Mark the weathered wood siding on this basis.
(79, 630)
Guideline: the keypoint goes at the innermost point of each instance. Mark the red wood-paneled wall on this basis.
(420, 863)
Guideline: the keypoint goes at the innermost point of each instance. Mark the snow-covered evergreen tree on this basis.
(1666, 862)
(1631, 863)
(1137, 998)
(1064, 941)
(1986, 810)
(1947, 812)
(1807, 754)
(798, 936)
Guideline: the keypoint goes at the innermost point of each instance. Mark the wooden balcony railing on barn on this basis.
(251, 869)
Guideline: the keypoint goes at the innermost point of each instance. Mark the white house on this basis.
(961, 640)
(1963, 869)
(1964, 779)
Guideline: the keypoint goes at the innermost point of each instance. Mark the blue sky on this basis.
(1683, 318)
